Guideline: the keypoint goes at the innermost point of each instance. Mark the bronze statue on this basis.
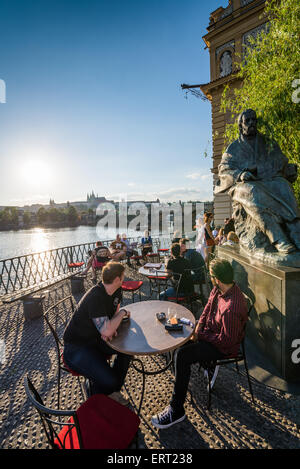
(258, 177)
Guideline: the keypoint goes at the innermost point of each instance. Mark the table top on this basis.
(144, 334)
(162, 272)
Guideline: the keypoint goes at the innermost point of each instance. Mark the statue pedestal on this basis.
(274, 325)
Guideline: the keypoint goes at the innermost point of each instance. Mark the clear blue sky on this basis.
(93, 100)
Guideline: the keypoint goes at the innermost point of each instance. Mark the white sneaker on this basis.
(167, 418)
(117, 396)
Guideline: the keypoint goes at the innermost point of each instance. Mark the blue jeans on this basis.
(169, 293)
(91, 362)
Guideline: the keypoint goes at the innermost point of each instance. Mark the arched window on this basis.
(225, 64)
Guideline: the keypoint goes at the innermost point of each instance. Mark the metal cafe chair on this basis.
(157, 282)
(99, 423)
(132, 286)
(179, 296)
(240, 357)
(202, 280)
(54, 326)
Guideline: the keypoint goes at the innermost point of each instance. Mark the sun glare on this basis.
(35, 172)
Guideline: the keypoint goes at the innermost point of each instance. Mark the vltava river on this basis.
(17, 243)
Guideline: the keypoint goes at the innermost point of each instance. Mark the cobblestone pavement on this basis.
(232, 422)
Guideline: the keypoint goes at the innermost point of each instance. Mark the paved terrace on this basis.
(233, 422)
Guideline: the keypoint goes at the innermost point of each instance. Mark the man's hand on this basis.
(199, 328)
(125, 312)
(194, 337)
(247, 176)
(107, 338)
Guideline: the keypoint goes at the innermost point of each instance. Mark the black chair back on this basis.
(57, 323)
(52, 420)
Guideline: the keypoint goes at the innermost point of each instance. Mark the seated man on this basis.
(196, 260)
(146, 244)
(99, 257)
(219, 333)
(178, 265)
(258, 176)
(130, 251)
(94, 322)
(118, 249)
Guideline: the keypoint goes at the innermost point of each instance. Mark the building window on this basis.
(245, 2)
(225, 64)
(224, 59)
(253, 34)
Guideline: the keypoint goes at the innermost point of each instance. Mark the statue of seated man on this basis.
(258, 177)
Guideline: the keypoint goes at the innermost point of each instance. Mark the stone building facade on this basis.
(228, 32)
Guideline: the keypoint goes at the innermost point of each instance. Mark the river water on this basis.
(18, 243)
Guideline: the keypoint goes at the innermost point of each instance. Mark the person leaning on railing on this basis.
(218, 334)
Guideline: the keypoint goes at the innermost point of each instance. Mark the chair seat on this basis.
(104, 424)
(136, 257)
(75, 264)
(184, 298)
(152, 254)
(180, 298)
(238, 357)
(131, 285)
(163, 250)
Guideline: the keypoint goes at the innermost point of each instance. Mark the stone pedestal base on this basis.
(77, 285)
(274, 325)
(33, 307)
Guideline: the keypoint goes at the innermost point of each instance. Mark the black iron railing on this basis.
(23, 272)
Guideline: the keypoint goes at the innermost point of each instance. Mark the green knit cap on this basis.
(222, 270)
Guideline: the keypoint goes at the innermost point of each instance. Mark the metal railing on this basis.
(23, 272)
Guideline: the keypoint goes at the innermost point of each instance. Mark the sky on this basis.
(93, 100)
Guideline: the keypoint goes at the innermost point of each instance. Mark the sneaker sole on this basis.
(161, 427)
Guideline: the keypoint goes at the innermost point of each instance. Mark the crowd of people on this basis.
(218, 332)
(95, 322)
(209, 237)
(120, 249)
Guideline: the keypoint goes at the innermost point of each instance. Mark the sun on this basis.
(35, 172)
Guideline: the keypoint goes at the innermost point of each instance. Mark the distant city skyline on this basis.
(83, 200)
(93, 100)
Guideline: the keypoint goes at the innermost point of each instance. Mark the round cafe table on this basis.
(144, 335)
(151, 272)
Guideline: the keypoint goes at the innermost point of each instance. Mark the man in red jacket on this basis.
(218, 334)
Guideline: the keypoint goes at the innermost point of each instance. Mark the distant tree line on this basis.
(12, 218)
(9, 218)
(58, 216)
